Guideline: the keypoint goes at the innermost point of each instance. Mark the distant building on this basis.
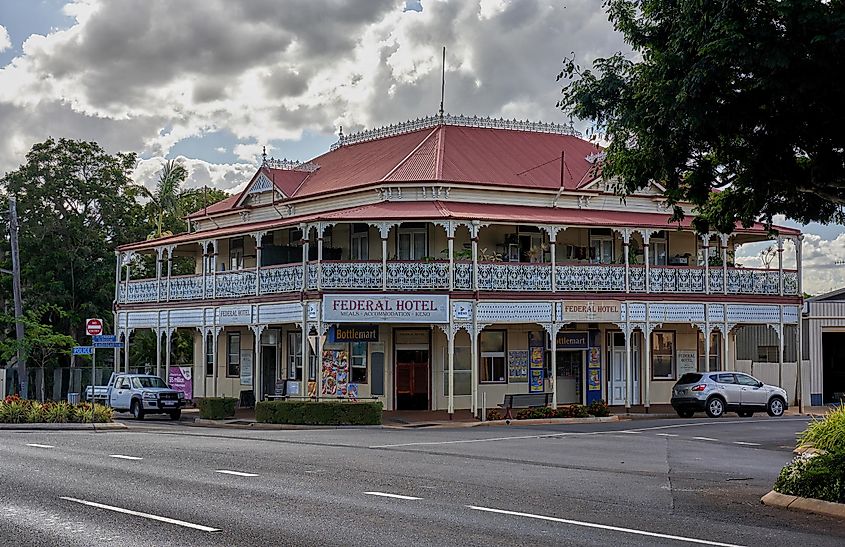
(823, 325)
(445, 262)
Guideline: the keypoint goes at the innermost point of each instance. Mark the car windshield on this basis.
(690, 378)
(148, 381)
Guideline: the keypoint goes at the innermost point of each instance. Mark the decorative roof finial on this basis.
(442, 82)
(264, 156)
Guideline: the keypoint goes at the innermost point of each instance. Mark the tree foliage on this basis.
(744, 97)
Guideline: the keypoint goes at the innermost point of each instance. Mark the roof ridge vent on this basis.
(427, 122)
(289, 165)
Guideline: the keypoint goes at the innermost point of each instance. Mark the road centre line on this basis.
(706, 439)
(122, 457)
(667, 434)
(715, 422)
(743, 443)
(236, 473)
(36, 445)
(490, 439)
(397, 496)
(142, 515)
(685, 539)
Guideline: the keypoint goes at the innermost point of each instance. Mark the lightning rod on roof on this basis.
(442, 81)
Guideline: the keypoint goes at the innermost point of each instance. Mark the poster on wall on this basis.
(246, 367)
(536, 365)
(687, 361)
(594, 387)
(518, 366)
(594, 379)
(335, 365)
(180, 380)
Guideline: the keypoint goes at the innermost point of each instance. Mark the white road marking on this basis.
(122, 457)
(706, 439)
(667, 434)
(718, 422)
(488, 440)
(236, 473)
(685, 539)
(743, 443)
(142, 515)
(397, 496)
(36, 445)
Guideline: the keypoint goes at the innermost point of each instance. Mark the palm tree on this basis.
(168, 196)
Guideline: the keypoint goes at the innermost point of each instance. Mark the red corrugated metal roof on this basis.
(439, 210)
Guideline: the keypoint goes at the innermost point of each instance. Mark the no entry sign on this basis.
(94, 327)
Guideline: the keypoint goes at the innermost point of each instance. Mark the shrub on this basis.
(524, 414)
(318, 413)
(59, 413)
(14, 411)
(828, 433)
(821, 477)
(216, 408)
(572, 411)
(599, 409)
(494, 414)
(35, 414)
(102, 414)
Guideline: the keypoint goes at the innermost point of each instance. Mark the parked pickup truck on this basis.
(139, 394)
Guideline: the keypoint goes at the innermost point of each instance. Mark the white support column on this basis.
(705, 245)
(781, 332)
(706, 343)
(629, 363)
(647, 259)
(474, 360)
(320, 229)
(215, 334)
(725, 348)
(168, 350)
(799, 243)
(474, 227)
(780, 266)
(258, 236)
(450, 357)
(449, 226)
(204, 258)
(723, 239)
(159, 252)
(799, 355)
(646, 372)
(213, 264)
(384, 232)
(553, 345)
(126, 336)
(305, 366)
(306, 234)
(170, 250)
(158, 332)
(117, 271)
(200, 370)
(626, 251)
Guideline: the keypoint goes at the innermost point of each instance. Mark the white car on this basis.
(718, 392)
(140, 394)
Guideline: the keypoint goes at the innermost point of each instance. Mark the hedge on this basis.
(318, 413)
(216, 408)
(14, 410)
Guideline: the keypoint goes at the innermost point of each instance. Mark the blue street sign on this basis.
(118, 345)
(100, 338)
(83, 350)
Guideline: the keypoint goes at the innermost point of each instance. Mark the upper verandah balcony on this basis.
(457, 255)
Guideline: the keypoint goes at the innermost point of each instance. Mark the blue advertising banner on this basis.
(594, 390)
(353, 333)
(573, 340)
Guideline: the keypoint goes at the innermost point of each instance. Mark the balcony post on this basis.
(215, 333)
(629, 365)
(647, 258)
(168, 349)
(474, 334)
(159, 252)
(170, 249)
(258, 236)
(306, 232)
(320, 229)
(646, 372)
(213, 263)
(450, 338)
(552, 231)
(723, 239)
(554, 363)
(705, 245)
(449, 226)
(780, 266)
(706, 340)
(204, 266)
(626, 251)
(474, 227)
(158, 350)
(118, 259)
(129, 257)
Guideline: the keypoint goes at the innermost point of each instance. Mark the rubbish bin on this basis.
(73, 398)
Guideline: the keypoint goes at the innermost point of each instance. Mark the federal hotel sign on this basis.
(381, 308)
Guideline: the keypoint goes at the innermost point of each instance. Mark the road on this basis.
(645, 482)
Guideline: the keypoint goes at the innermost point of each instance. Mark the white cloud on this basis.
(229, 177)
(5, 41)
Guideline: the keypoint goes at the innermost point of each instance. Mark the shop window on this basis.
(493, 368)
(359, 245)
(663, 355)
(233, 354)
(767, 354)
(358, 362)
(715, 351)
(412, 242)
(463, 371)
(236, 253)
(209, 356)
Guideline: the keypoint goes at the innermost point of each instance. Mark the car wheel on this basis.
(137, 410)
(176, 414)
(775, 407)
(685, 413)
(715, 407)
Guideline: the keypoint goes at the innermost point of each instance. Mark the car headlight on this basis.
(180, 395)
(147, 395)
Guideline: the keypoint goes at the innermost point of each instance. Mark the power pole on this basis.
(16, 290)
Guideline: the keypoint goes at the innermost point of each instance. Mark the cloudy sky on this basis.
(212, 81)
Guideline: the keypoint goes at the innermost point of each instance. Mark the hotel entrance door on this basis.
(412, 379)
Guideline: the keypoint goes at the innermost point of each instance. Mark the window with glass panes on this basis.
(663, 355)
(233, 354)
(236, 253)
(493, 368)
(715, 351)
(358, 362)
(658, 249)
(294, 354)
(359, 244)
(412, 241)
(601, 245)
(462, 366)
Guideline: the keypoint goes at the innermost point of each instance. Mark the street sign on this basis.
(93, 327)
(100, 338)
(83, 350)
(118, 345)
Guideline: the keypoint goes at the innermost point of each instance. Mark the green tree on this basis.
(740, 96)
(76, 204)
(167, 199)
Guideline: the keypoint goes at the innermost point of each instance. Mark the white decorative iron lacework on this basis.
(753, 281)
(636, 279)
(676, 313)
(676, 279)
(351, 275)
(716, 313)
(312, 275)
(457, 120)
(717, 279)
(591, 278)
(291, 165)
(753, 313)
(634, 311)
(143, 290)
(276, 314)
(514, 312)
(187, 287)
(514, 277)
(232, 284)
(463, 276)
(790, 282)
(279, 279)
(418, 275)
(790, 314)
(141, 319)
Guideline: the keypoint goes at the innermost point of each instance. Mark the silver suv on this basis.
(718, 392)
